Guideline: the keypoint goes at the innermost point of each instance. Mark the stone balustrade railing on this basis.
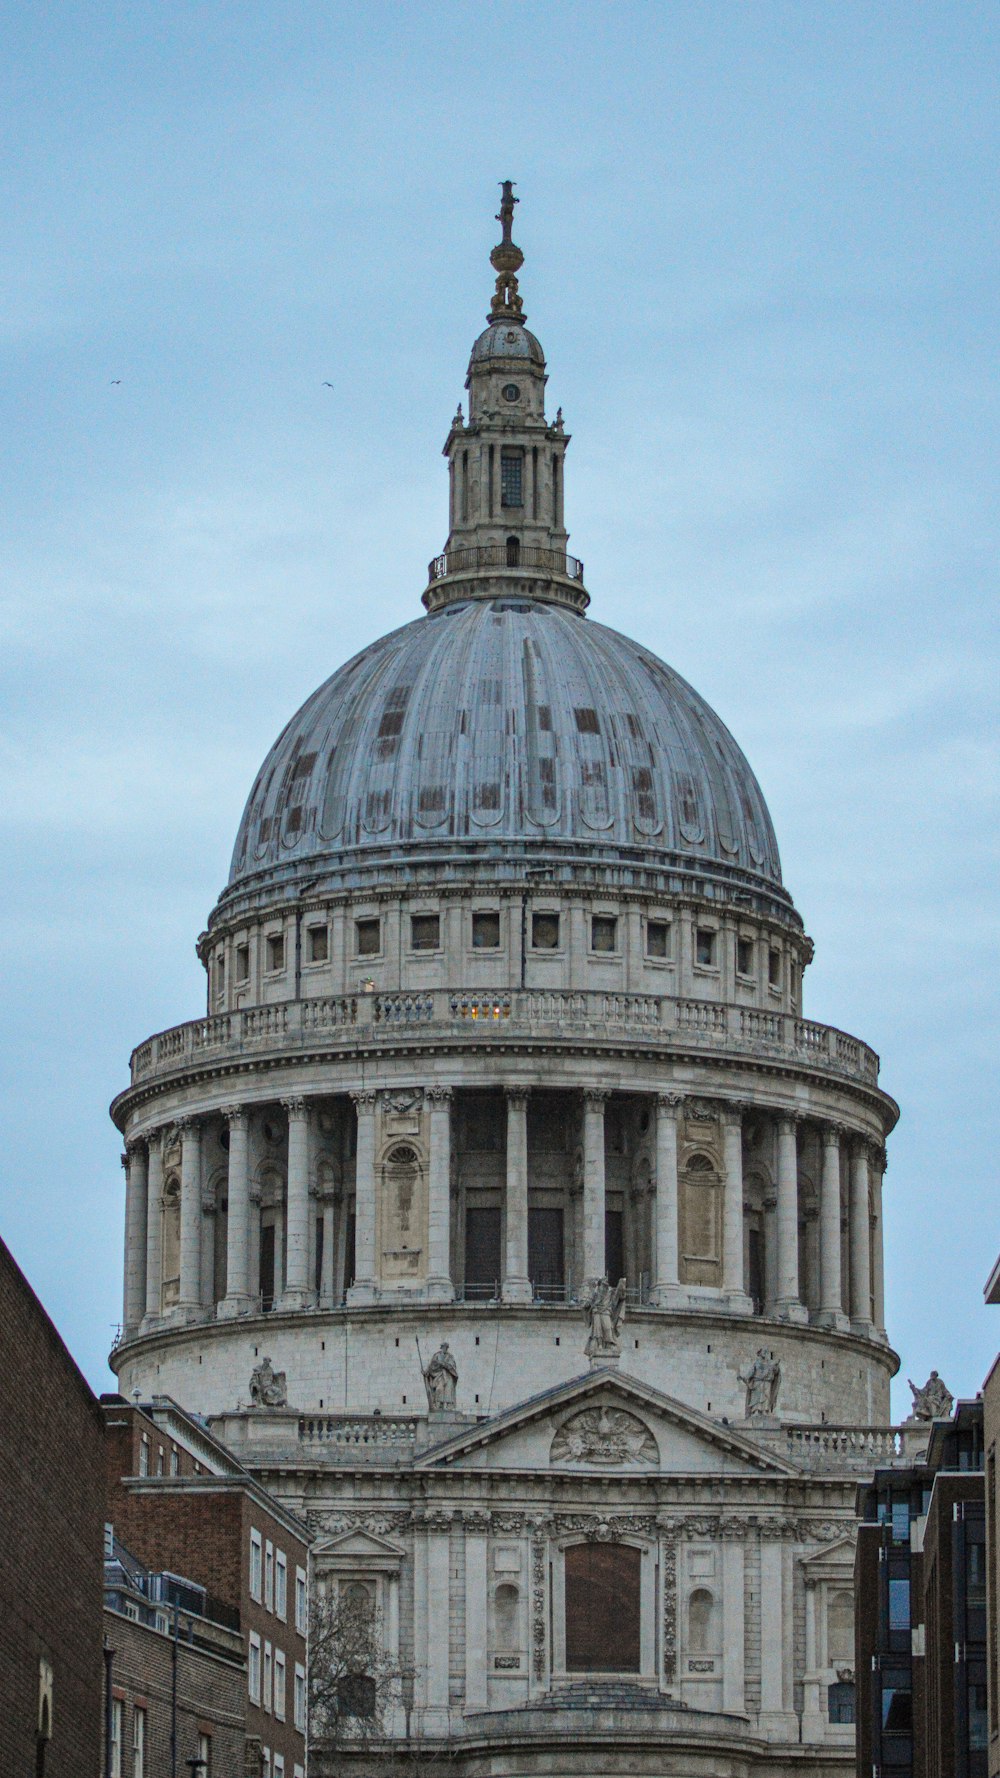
(361, 1430)
(836, 1447)
(571, 1014)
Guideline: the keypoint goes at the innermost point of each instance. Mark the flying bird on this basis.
(116, 382)
(328, 385)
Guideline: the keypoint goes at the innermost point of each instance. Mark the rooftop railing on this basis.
(490, 556)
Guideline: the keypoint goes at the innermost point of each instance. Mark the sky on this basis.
(760, 251)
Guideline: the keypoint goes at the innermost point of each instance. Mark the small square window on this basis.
(545, 932)
(486, 931)
(774, 968)
(275, 951)
(657, 938)
(243, 963)
(425, 932)
(705, 947)
(604, 933)
(744, 956)
(318, 944)
(369, 937)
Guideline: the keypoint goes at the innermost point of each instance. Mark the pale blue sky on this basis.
(761, 256)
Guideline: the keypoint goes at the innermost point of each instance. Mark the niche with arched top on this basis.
(701, 1221)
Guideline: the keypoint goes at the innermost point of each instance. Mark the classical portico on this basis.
(504, 1000)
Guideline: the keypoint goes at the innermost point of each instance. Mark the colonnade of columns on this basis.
(863, 1312)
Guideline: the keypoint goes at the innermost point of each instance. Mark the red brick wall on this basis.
(51, 1539)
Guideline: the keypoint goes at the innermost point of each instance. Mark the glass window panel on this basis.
(899, 1604)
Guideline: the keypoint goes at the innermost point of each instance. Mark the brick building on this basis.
(920, 1622)
(991, 1445)
(181, 1504)
(51, 1511)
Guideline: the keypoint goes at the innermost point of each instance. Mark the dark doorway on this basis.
(614, 1246)
(602, 1590)
(483, 1262)
(349, 1248)
(545, 1253)
(267, 1266)
(318, 1280)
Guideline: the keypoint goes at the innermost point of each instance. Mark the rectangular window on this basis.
(657, 938)
(705, 947)
(265, 1762)
(243, 963)
(425, 932)
(144, 1456)
(603, 933)
(279, 1685)
(205, 1755)
(275, 951)
(301, 1602)
(774, 968)
(300, 1697)
(117, 1712)
(897, 1702)
(368, 937)
(279, 1765)
(511, 477)
(486, 931)
(253, 1669)
(545, 932)
(269, 1576)
(280, 1585)
(840, 1701)
(744, 956)
(318, 944)
(268, 1684)
(160, 1460)
(175, 1461)
(139, 1742)
(899, 1604)
(256, 1565)
(899, 1518)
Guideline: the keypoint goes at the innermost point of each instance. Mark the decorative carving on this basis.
(608, 1437)
(477, 1522)
(295, 1107)
(933, 1402)
(538, 1602)
(441, 1380)
(596, 1097)
(668, 1569)
(762, 1380)
(517, 1097)
(671, 1103)
(402, 1104)
(267, 1386)
(508, 1524)
(365, 1099)
(234, 1114)
(604, 1310)
(440, 1097)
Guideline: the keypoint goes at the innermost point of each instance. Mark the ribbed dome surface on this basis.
(505, 721)
(507, 339)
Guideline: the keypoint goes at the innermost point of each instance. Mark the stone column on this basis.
(253, 1245)
(732, 1220)
(878, 1166)
(327, 1285)
(154, 1226)
(206, 1238)
(787, 1304)
(189, 1292)
(237, 1298)
(861, 1284)
(667, 1285)
(517, 1284)
(439, 1285)
(437, 1651)
(297, 1294)
(363, 1289)
(594, 1101)
(831, 1308)
(476, 1603)
(136, 1165)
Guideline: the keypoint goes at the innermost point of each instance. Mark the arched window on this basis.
(602, 1590)
(505, 1601)
(170, 1272)
(701, 1222)
(702, 1623)
(513, 552)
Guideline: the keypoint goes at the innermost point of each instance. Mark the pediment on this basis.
(832, 1561)
(357, 1546)
(605, 1423)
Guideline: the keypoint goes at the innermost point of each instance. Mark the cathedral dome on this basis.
(508, 724)
(507, 339)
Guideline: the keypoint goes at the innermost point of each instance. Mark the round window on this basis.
(511, 392)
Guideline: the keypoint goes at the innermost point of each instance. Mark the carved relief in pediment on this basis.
(607, 1437)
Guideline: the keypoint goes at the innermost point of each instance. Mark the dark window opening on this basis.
(243, 963)
(586, 721)
(513, 548)
(318, 944)
(276, 951)
(657, 938)
(350, 1248)
(425, 932)
(744, 956)
(483, 1264)
(545, 932)
(755, 1268)
(511, 478)
(369, 937)
(603, 933)
(267, 1267)
(840, 1701)
(318, 1278)
(356, 1695)
(545, 1252)
(614, 1245)
(486, 931)
(602, 1588)
(705, 947)
(774, 968)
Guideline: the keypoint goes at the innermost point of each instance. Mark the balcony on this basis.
(494, 557)
(349, 1025)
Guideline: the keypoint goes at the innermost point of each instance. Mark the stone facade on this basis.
(505, 1000)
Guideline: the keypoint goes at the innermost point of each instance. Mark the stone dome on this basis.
(507, 339)
(507, 725)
